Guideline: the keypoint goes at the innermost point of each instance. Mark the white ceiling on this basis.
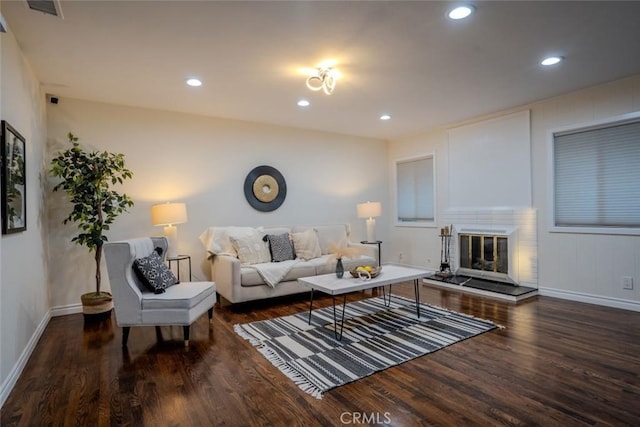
(402, 58)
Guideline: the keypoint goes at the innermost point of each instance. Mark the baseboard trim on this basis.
(590, 299)
(16, 371)
(63, 310)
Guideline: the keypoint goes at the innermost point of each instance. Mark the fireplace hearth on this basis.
(486, 287)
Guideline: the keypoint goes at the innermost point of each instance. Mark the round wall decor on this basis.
(265, 188)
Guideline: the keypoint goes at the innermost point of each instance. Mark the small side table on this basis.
(379, 243)
(177, 259)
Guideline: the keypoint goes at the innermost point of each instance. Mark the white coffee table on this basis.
(389, 275)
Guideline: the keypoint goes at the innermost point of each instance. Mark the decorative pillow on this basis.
(154, 273)
(280, 247)
(331, 237)
(216, 240)
(306, 244)
(251, 249)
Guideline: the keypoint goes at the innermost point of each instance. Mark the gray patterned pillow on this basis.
(280, 247)
(154, 273)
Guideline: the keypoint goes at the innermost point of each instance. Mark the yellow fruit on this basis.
(361, 268)
(368, 268)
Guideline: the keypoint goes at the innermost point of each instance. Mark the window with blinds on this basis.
(597, 176)
(415, 191)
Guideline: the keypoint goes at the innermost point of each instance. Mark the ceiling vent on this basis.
(49, 7)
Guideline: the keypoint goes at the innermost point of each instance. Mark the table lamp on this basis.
(370, 210)
(169, 214)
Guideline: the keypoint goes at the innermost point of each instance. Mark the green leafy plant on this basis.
(87, 179)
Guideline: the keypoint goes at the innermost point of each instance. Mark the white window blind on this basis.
(597, 176)
(415, 190)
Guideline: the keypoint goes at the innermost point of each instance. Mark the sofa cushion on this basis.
(280, 247)
(154, 273)
(301, 269)
(330, 236)
(217, 240)
(306, 244)
(275, 230)
(351, 263)
(250, 277)
(323, 264)
(251, 248)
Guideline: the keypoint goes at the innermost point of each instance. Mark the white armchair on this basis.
(135, 305)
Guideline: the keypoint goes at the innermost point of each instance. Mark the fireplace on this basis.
(488, 252)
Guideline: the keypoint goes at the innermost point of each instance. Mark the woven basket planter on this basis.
(96, 306)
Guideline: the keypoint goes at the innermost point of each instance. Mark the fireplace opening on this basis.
(487, 253)
(484, 253)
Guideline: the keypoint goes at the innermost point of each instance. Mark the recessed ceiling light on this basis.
(461, 12)
(552, 60)
(385, 117)
(194, 82)
(303, 103)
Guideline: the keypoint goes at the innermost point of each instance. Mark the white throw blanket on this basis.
(273, 272)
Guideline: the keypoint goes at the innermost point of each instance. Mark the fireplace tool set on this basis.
(445, 246)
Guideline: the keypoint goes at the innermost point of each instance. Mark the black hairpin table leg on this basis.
(337, 335)
(385, 298)
(416, 288)
(310, 306)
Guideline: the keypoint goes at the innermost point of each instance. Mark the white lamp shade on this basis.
(369, 210)
(168, 214)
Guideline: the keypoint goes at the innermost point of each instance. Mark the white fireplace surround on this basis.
(510, 232)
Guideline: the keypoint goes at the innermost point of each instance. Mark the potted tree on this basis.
(87, 178)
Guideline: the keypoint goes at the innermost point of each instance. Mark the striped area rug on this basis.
(375, 337)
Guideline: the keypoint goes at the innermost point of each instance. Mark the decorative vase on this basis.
(339, 268)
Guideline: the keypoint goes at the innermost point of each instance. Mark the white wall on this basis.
(581, 266)
(203, 162)
(576, 266)
(23, 280)
(413, 245)
(497, 158)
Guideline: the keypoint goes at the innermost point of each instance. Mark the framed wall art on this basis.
(265, 188)
(14, 180)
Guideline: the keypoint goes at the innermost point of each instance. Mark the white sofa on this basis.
(238, 282)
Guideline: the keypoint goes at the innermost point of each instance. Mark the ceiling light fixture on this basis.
(551, 60)
(461, 12)
(323, 78)
(385, 117)
(194, 82)
(303, 103)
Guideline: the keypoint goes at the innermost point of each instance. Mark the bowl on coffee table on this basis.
(363, 272)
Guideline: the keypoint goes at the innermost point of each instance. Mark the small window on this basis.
(596, 173)
(415, 192)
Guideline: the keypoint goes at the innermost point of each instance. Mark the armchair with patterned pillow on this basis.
(145, 291)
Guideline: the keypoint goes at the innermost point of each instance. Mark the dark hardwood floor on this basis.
(556, 363)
